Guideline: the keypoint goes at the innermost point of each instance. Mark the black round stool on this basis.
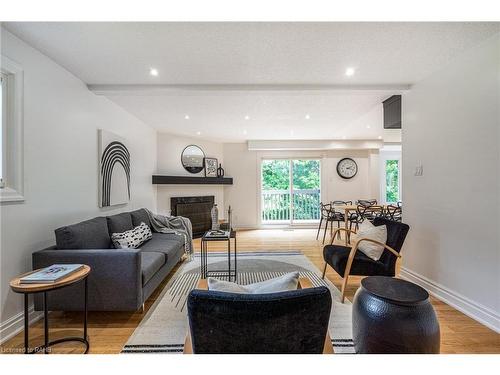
(393, 316)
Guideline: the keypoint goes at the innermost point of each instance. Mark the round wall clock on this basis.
(347, 168)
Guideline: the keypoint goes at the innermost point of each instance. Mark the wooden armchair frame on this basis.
(350, 259)
(303, 284)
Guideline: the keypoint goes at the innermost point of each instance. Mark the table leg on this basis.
(85, 317)
(235, 262)
(229, 258)
(26, 324)
(46, 322)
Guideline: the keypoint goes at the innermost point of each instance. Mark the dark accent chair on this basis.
(346, 260)
(273, 323)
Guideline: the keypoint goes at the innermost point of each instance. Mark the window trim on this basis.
(14, 133)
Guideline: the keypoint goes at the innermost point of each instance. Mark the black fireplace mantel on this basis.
(188, 180)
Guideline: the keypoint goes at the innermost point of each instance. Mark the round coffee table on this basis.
(391, 315)
(28, 289)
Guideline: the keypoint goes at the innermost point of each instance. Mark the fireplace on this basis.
(196, 209)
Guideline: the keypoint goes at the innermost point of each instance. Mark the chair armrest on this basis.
(355, 248)
(348, 231)
(378, 243)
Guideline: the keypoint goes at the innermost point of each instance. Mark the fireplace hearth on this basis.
(196, 209)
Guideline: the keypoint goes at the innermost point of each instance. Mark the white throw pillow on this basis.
(133, 238)
(283, 283)
(368, 230)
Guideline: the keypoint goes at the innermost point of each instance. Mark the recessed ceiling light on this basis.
(307, 117)
(153, 72)
(198, 133)
(245, 132)
(350, 72)
(379, 137)
(247, 117)
(186, 117)
(368, 126)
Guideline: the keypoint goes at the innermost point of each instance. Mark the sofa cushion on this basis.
(166, 243)
(89, 234)
(119, 223)
(140, 216)
(151, 263)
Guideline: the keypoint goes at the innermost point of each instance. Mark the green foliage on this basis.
(392, 180)
(276, 176)
(306, 174)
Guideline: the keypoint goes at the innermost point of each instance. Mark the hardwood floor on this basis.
(109, 331)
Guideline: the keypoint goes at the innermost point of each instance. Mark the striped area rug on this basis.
(164, 328)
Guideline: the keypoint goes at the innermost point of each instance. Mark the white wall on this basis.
(244, 167)
(61, 118)
(169, 163)
(451, 126)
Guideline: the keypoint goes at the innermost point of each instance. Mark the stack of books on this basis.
(51, 274)
(217, 234)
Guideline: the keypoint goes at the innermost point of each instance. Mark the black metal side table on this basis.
(28, 289)
(230, 273)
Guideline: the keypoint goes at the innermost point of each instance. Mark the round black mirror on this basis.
(192, 159)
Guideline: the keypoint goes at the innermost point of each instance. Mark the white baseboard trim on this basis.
(476, 311)
(15, 324)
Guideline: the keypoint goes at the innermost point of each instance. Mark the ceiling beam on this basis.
(311, 145)
(165, 89)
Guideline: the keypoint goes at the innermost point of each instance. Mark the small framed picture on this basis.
(210, 167)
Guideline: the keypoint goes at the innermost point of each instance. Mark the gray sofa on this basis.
(121, 279)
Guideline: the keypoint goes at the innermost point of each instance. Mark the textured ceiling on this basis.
(275, 54)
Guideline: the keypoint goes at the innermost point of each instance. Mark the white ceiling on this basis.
(386, 57)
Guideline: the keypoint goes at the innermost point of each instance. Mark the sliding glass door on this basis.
(291, 191)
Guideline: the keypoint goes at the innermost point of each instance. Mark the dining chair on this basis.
(347, 260)
(325, 211)
(367, 202)
(394, 212)
(270, 323)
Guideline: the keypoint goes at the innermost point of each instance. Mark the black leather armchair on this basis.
(279, 323)
(347, 260)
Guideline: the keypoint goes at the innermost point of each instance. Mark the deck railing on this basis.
(276, 205)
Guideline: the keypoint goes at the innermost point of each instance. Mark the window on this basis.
(11, 141)
(3, 100)
(392, 181)
(290, 191)
(390, 174)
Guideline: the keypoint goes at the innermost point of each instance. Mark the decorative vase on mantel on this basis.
(214, 214)
(220, 171)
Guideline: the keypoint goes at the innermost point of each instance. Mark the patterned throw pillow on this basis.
(133, 238)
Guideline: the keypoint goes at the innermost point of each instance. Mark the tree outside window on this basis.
(392, 181)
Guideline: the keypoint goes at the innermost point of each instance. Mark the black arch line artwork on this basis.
(115, 152)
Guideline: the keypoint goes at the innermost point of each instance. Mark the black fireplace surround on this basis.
(196, 209)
